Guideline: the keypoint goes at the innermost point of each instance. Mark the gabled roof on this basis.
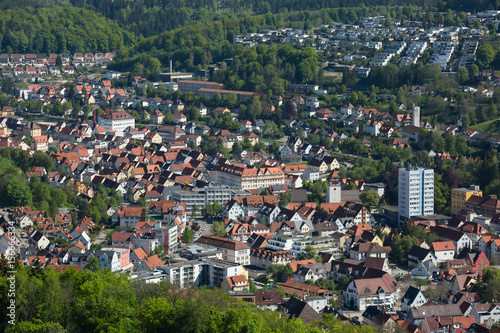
(411, 294)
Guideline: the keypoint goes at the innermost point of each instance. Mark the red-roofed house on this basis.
(235, 283)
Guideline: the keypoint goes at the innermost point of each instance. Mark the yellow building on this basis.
(459, 197)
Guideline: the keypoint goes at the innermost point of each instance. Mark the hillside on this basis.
(491, 126)
(59, 29)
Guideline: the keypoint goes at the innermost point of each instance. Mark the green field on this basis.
(491, 126)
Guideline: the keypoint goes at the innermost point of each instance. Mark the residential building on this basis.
(381, 292)
(443, 251)
(232, 251)
(459, 197)
(202, 196)
(486, 312)
(415, 193)
(235, 283)
(116, 121)
(239, 177)
(489, 206)
(413, 298)
(206, 272)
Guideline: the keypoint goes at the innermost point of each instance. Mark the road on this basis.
(204, 226)
(101, 237)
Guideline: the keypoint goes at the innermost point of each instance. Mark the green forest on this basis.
(87, 301)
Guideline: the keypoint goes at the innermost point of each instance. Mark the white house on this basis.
(382, 292)
(486, 312)
(413, 298)
(443, 251)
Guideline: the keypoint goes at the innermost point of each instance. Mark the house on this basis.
(425, 270)
(39, 240)
(129, 216)
(150, 264)
(295, 308)
(443, 251)
(413, 298)
(320, 164)
(310, 272)
(417, 315)
(235, 283)
(361, 251)
(410, 132)
(418, 255)
(232, 251)
(268, 299)
(460, 239)
(381, 291)
(486, 313)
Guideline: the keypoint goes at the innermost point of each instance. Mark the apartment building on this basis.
(459, 197)
(239, 177)
(232, 251)
(296, 243)
(116, 121)
(202, 196)
(489, 206)
(416, 192)
(206, 272)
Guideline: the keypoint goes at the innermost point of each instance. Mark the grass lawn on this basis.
(491, 126)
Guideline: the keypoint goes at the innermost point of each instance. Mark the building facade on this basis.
(459, 197)
(248, 178)
(116, 121)
(416, 192)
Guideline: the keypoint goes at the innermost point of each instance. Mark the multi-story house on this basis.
(413, 298)
(443, 251)
(116, 121)
(381, 292)
(203, 196)
(194, 273)
(123, 256)
(266, 257)
(238, 177)
(459, 238)
(489, 206)
(486, 312)
(129, 216)
(232, 251)
(459, 197)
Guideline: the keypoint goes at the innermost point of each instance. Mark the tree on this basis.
(285, 199)
(187, 236)
(251, 286)
(18, 194)
(310, 253)
(485, 55)
(218, 229)
(93, 264)
(370, 198)
(280, 273)
(462, 75)
(438, 294)
(194, 212)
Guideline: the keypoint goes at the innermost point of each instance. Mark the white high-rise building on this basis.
(415, 192)
(416, 116)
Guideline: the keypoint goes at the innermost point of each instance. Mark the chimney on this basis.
(492, 196)
(170, 66)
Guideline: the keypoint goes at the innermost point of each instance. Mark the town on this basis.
(364, 198)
